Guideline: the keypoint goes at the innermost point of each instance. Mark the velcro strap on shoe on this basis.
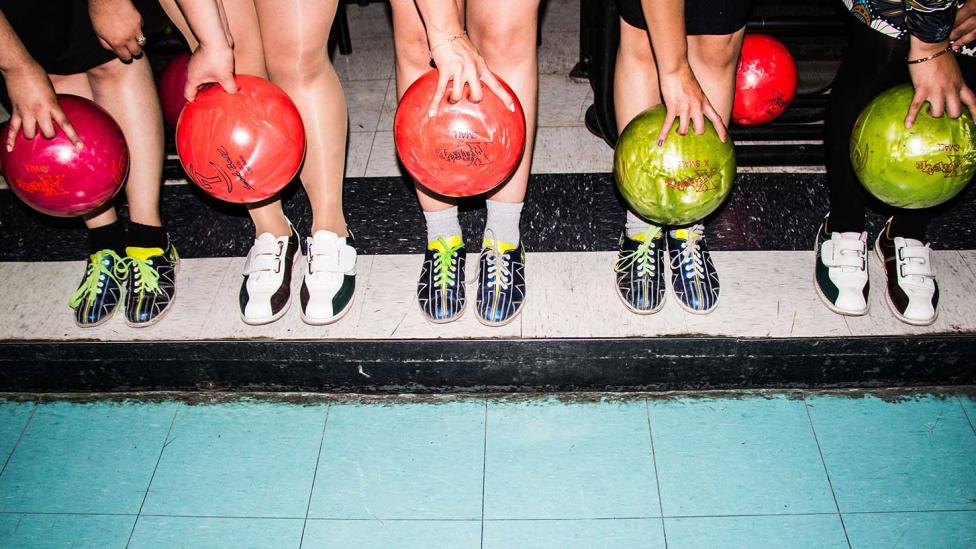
(843, 253)
(261, 262)
(341, 260)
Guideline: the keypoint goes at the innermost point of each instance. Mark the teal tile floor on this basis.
(737, 470)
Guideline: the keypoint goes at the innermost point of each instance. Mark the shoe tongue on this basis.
(909, 242)
(451, 241)
(142, 254)
(265, 239)
(847, 236)
(323, 236)
(685, 234)
(500, 247)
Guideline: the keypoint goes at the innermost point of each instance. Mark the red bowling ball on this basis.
(241, 147)
(172, 82)
(466, 148)
(54, 177)
(765, 80)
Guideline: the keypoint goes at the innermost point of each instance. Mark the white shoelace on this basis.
(691, 254)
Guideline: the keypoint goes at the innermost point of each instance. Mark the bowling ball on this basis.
(765, 80)
(678, 183)
(912, 168)
(172, 82)
(241, 147)
(54, 177)
(466, 148)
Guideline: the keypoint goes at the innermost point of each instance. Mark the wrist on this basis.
(919, 48)
(437, 36)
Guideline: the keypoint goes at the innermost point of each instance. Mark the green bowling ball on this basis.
(912, 168)
(678, 183)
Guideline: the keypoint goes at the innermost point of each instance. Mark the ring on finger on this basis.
(141, 40)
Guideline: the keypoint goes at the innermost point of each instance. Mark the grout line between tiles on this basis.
(657, 480)
(166, 441)
(965, 413)
(484, 475)
(806, 408)
(20, 437)
(315, 474)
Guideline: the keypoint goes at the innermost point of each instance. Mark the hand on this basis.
(964, 28)
(118, 25)
(34, 105)
(459, 62)
(210, 64)
(685, 100)
(939, 82)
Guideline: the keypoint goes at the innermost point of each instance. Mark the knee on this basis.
(635, 49)
(718, 52)
(299, 63)
(505, 45)
(110, 70)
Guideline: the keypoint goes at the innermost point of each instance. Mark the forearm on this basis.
(13, 54)
(666, 25)
(442, 20)
(206, 23)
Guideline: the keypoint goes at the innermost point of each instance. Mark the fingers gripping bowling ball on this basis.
(912, 168)
(765, 80)
(56, 178)
(172, 81)
(679, 182)
(242, 147)
(466, 148)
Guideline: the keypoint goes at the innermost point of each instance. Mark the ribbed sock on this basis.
(147, 236)
(107, 237)
(503, 221)
(442, 224)
(636, 226)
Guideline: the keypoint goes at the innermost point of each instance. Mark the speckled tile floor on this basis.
(739, 470)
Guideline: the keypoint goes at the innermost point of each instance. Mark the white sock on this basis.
(636, 226)
(503, 221)
(442, 224)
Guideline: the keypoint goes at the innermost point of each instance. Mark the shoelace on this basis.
(499, 270)
(691, 254)
(146, 277)
(444, 269)
(98, 270)
(643, 256)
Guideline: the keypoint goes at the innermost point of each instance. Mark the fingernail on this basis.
(431, 113)
(660, 142)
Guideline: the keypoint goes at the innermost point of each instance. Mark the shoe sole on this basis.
(827, 303)
(331, 320)
(891, 305)
(169, 306)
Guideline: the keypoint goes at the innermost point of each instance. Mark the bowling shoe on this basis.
(841, 274)
(440, 290)
(150, 284)
(329, 282)
(501, 283)
(100, 291)
(694, 281)
(266, 290)
(912, 291)
(640, 271)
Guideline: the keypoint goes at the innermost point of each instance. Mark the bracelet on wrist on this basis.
(939, 53)
(448, 41)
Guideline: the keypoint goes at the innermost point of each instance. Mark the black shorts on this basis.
(59, 35)
(701, 16)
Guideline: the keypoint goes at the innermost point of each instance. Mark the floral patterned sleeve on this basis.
(929, 20)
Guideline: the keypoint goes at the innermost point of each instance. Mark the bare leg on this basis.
(713, 59)
(635, 84)
(295, 46)
(268, 217)
(505, 33)
(128, 93)
(77, 84)
(413, 60)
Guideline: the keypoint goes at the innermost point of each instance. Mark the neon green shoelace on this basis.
(643, 256)
(94, 282)
(443, 261)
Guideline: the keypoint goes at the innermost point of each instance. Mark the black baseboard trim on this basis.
(423, 366)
